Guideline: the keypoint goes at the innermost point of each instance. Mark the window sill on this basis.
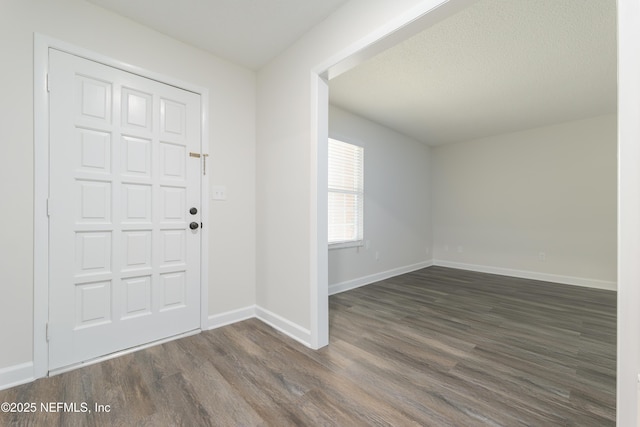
(344, 245)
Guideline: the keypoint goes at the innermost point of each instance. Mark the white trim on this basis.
(16, 375)
(121, 353)
(41, 46)
(230, 317)
(533, 275)
(204, 209)
(555, 278)
(344, 245)
(50, 42)
(399, 29)
(628, 333)
(405, 25)
(285, 326)
(41, 193)
(279, 323)
(319, 216)
(372, 278)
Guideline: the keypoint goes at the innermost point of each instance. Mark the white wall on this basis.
(284, 138)
(231, 231)
(396, 205)
(499, 202)
(628, 361)
(287, 156)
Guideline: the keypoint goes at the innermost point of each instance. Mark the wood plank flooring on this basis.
(437, 347)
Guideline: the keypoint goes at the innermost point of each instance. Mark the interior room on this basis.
(519, 173)
(453, 182)
(173, 266)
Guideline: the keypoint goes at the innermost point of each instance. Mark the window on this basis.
(346, 194)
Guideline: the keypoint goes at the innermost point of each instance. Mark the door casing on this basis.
(42, 44)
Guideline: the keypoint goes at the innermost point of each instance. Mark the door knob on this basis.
(194, 225)
(193, 211)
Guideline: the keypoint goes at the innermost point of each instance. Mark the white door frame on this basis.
(42, 44)
(423, 15)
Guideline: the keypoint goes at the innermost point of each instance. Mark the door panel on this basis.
(124, 263)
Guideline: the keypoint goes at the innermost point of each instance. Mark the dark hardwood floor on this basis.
(437, 347)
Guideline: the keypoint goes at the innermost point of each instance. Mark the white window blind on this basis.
(346, 193)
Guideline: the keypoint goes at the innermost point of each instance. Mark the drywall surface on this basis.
(396, 204)
(541, 200)
(287, 156)
(231, 229)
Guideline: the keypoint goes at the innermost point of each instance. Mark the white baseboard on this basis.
(277, 322)
(23, 373)
(229, 317)
(372, 278)
(287, 327)
(16, 375)
(533, 275)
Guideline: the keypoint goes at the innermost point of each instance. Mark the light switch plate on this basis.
(218, 192)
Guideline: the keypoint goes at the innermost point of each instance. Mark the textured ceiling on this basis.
(497, 66)
(247, 32)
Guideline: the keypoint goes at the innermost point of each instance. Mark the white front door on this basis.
(124, 193)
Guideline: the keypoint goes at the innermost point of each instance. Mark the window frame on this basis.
(359, 240)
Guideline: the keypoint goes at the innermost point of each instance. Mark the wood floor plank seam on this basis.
(434, 347)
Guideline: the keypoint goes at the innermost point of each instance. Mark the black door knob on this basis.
(193, 225)
(193, 211)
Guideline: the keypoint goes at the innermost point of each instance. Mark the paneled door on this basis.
(124, 210)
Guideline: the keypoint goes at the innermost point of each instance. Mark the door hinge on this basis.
(48, 207)
(48, 336)
(48, 86)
